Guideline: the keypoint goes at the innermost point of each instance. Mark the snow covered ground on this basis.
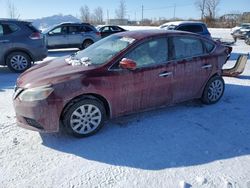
(186, 145)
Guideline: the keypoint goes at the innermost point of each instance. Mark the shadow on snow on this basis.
(184, 135)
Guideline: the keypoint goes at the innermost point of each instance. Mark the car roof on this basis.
(73, 23)
(110, 26)
(13, 20)
(182, 23)
(141, 34)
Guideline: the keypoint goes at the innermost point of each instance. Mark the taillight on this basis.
(36, 35)
(98, 33)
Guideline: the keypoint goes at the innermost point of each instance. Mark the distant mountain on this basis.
(46, 22)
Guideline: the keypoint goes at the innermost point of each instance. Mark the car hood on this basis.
(51, 72)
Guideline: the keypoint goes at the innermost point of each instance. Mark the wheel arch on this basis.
(88, 39)
(17, 50)
(93, 96)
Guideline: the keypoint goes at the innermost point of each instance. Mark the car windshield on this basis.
(103, 50)
(46, 30)
(168, 27)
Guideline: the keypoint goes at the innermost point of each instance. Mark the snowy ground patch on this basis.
(186, 145)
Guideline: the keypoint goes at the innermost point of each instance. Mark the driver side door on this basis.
(150, 84)
(58, 37)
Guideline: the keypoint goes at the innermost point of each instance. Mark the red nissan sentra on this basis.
(121, 74)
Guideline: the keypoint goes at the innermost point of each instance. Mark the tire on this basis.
(18, 62)
(84, 118)
(247, 41)
(214, 90)
(86, 44)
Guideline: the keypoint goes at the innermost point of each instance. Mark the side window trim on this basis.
(207, 52)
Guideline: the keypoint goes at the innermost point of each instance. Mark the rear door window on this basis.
(185, 47)
(191, 28)
(209, 46)
(6, 29)
(87, 29)
(114, 28)
(1, 30)
(74, 29)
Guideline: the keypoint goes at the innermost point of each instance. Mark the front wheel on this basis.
(214, 90)
(84, 118)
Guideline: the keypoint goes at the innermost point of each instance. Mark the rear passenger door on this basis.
(75, 38)
(192, 67)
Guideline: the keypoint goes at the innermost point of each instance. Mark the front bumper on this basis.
(42, 116)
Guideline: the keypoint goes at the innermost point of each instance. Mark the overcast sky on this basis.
(30, 9)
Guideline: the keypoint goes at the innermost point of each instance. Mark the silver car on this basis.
(20, 45)
(71, 35)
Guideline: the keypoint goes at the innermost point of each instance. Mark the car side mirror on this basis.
(127, 64)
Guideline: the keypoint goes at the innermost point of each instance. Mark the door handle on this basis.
(166, 74)
(207, 66)
(4, 41)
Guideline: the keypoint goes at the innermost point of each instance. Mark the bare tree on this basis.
(84, 14)
(98, 15)
(12, 10)
(208, 8)
(121, 11)
(201, 5)
(211, 8)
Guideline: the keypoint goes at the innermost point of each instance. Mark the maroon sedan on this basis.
(121, 74)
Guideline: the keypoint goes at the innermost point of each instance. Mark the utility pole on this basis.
(142, 10)
(107, 17)
(174, 11)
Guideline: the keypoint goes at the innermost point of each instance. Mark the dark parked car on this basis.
(247, 38)
(20, 44)
(120, 74)
(71, 35)
(239, 32)
(109, 30)
(189, 26)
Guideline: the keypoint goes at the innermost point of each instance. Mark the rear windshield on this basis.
(32, 28)
(191, 28)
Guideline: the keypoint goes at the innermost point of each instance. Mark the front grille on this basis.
(33, 123)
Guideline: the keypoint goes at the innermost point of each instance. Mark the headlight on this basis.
(36, 94)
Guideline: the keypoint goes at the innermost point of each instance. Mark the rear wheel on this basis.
(18, 62)
(84, 118)
(86, 44)
(214, 90)
(247, 41)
